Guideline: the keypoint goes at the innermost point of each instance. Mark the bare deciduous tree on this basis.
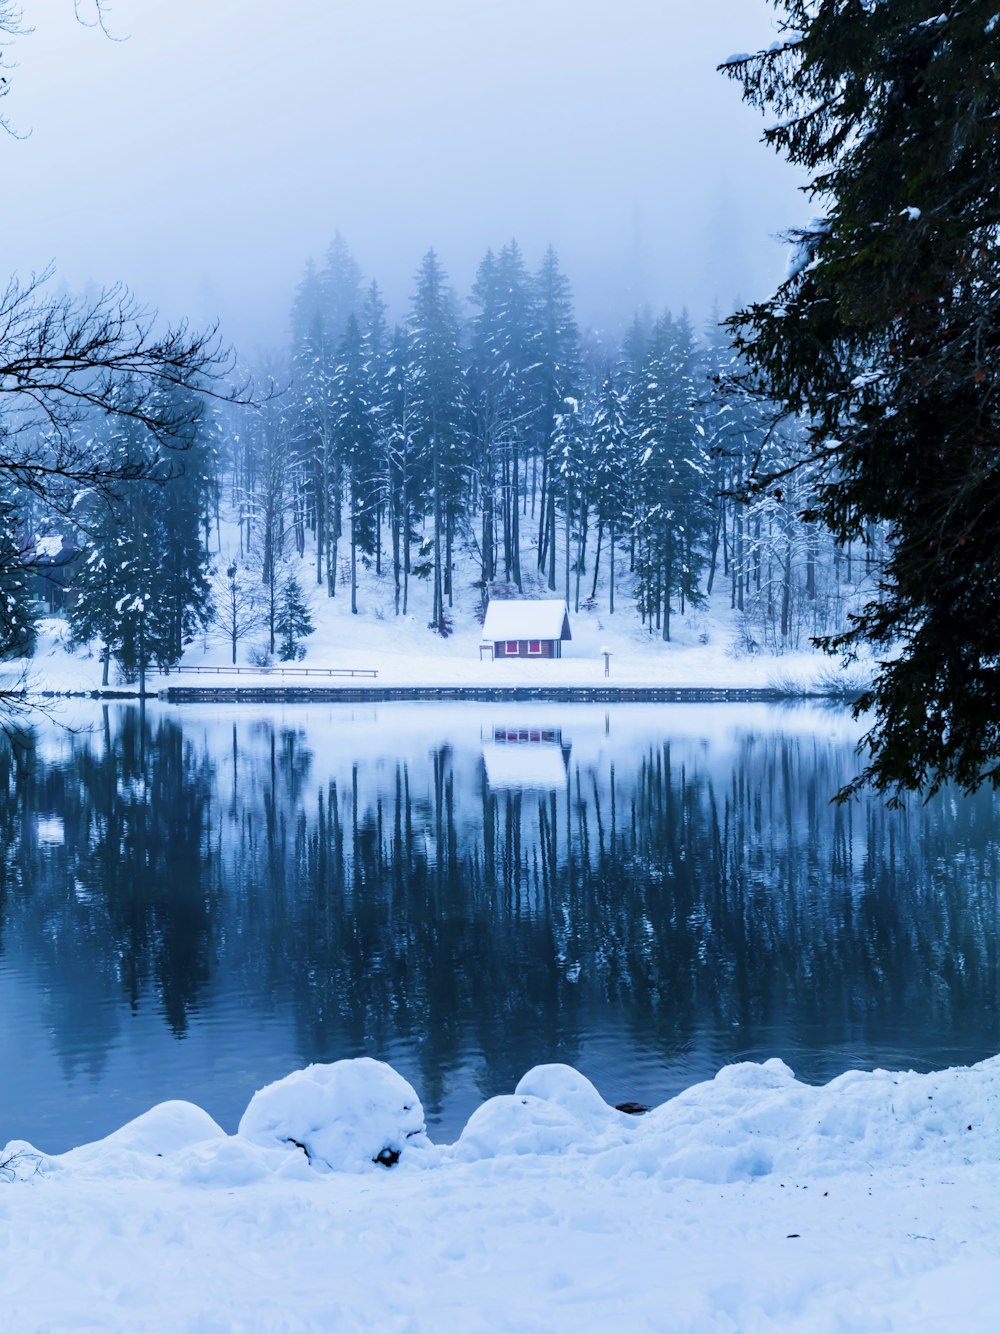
(239, 608)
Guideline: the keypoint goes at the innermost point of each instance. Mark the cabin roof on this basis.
(526, 618)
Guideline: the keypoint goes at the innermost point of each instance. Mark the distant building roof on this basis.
(526, 618)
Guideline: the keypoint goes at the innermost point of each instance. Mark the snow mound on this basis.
(165, 1131)
(758, 1120)
(750, 1121)
(553, 1110)
(344, 1117)
(567, 1088)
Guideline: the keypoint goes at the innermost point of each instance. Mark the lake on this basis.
(199, 899)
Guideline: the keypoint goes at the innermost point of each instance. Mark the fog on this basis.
(209, 150)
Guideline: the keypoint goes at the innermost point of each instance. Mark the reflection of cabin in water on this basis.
(526, 628)
(527, 757)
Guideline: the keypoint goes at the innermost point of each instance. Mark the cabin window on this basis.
(511, 646)
(534, 646)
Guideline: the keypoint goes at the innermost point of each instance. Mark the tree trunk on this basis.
(515, 521)
(449, 531)
(611, 569)
(438, 612)
(786, 589)
(394, 520)
(354, 551)
(543, 516)
(597, 558)
(551, 526)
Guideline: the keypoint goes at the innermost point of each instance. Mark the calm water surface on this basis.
(197, 901)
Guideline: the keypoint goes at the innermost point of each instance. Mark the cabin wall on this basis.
(549, 648)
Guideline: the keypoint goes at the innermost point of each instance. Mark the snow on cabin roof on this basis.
(526, 618)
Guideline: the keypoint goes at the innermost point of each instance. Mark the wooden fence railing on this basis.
(278, 671)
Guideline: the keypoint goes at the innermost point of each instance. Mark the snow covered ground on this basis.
(748, 1203)
(707, 650)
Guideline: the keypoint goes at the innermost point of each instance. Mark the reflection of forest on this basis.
(414, 906)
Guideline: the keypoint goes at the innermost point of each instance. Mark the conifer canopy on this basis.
(884, 337)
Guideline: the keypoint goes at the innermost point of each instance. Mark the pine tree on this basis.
(885, 337)
(503, 338)
(294, 622)
(441, 416)
(671, 508)
(486, 392)
(307, 305)
(340, 288)
(183, 508)
(610, 452)
(377, 345)
(17, 631)
(320, 471)
(354, 432)
(142, 586)
(571, 478)
(398, 423)
(268, 434)
(555, 376)
(94, 614)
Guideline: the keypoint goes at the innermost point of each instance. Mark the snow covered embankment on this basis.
(751, 1201)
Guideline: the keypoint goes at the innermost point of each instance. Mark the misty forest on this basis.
(489, 441)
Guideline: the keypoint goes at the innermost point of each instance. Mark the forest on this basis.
(491, 434)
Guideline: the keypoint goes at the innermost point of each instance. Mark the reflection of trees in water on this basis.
(692, 904)
(124, 904)
(409, 905)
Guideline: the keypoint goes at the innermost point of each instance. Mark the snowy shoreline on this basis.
(266, 690)
(749, 1202)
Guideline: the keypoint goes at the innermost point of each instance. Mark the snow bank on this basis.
(748, 1122)
(750, 1202)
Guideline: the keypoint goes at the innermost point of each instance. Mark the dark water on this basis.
(197, 902)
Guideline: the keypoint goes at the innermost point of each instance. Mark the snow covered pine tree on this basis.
(885, 338)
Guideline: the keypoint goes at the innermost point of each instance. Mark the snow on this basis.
(343, 1116)
(637, 660)
(750, 1202)
(520, 618)
(48, 547)
(704, 653)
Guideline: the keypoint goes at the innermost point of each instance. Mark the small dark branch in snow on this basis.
(11, 1167)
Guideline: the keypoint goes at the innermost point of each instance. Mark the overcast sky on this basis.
(206, 157)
